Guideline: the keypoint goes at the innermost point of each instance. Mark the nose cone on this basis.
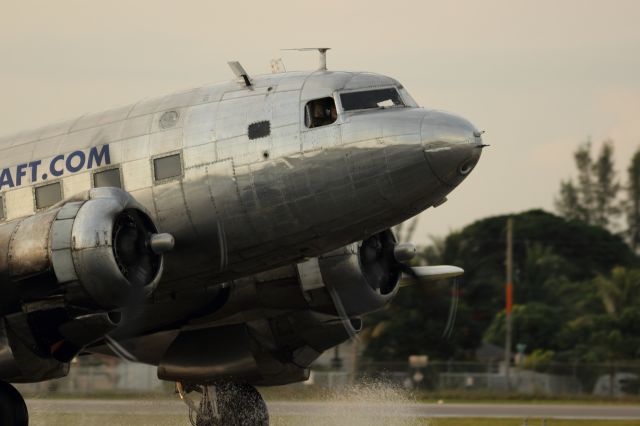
(451, 145)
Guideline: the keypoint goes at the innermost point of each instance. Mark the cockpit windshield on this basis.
(371, 99)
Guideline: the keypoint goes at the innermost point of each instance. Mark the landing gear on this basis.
(224, 404)
(13, 410)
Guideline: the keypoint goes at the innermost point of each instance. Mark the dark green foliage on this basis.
(576, 200)
(593, 198)
(633, 202)
(605, 189)
(534, 324)
(414, 324)
(568, 203)
(607, 327)
(561, 272)
(569, 251)
(577, 285)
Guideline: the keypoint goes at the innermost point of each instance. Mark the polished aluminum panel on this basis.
(242, 206)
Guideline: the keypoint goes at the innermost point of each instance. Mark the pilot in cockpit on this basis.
(324, 112)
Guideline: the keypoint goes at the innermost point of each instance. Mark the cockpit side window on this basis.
(371, 99)
(320, 112)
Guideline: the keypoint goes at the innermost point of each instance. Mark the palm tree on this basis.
(620, 290)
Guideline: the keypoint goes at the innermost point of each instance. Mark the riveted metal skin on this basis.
(60, 266)
(263, 227)
(73, 243)
(342, 272)
(310, 307)
(92, 248)
(234, 212)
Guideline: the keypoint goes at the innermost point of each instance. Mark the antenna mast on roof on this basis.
(240, 72)
(323, 55)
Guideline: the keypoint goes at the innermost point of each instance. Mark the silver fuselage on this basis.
(244, 205)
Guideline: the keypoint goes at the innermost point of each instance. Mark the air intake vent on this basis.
(259, 129)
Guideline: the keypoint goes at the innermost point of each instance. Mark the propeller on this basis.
(428, 274)
(133, 250)
(385, 262)
(453, 309)
(385, 265)
(138, 250)
(379, 264)
(431, 274)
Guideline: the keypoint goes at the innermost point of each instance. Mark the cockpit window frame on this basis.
(408, 103)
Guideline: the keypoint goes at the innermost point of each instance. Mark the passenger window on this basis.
(2, 216)
(48, 195)
(109, 177)
(167, 167)
(320, 112)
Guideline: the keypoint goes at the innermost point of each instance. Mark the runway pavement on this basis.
(319, 409)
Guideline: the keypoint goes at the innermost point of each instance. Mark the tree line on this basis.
(577, 279)
(593, 197)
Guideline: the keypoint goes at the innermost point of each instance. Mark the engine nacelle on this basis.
(273, 325)
(360, 278)
(65, 272)
(348, 282)
(93, 249)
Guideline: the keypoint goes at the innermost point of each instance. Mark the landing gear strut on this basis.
(224, 404)
(13, 410)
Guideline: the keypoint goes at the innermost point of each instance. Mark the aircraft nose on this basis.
(452, 146)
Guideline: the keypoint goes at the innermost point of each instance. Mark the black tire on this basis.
(241, 405)
(13, 410)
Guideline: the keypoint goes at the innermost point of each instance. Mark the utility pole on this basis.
(509, 302)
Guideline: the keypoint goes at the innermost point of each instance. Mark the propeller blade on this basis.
(453, 310)
(427, 274)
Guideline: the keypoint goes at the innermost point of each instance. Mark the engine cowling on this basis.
(94, 249)
(351, 281)
(65, 272)
(274, 324)
(361, 277)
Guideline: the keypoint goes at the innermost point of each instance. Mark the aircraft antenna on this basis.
(240, 72)
(321, 50)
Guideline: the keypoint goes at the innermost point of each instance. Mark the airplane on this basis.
(227, 234)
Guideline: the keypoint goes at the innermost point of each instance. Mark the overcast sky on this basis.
(539, 76)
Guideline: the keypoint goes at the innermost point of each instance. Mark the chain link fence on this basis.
(613, 380)
(118, 377)
(617, 379)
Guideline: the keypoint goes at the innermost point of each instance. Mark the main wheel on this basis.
(224, 404)
(236, 405)
(13, 410)
(241, 405)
